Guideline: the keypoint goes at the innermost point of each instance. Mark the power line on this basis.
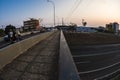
(73, 9)
(76, 6)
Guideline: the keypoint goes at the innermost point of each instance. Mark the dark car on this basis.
(6, 38)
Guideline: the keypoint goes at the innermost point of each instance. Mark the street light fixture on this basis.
(53, 9)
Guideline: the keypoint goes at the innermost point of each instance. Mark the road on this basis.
(4, 44)
(38, 63)
(96, 62)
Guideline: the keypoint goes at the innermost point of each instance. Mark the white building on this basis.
(85, 29)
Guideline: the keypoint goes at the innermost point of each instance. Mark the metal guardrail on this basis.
(67, 67)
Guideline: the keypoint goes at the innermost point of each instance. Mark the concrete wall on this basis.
(67, 67)
(9, 53)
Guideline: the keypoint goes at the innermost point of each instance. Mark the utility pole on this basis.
(53, 10)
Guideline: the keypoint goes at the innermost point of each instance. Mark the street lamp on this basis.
(53, 9)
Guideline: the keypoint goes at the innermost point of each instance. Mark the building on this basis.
(63, 27)
(101, 29)
(112, 27)
(20, 29)
(85, 29)
(116, 27)
(32, 24)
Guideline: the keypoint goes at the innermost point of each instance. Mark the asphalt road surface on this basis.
(97, 62)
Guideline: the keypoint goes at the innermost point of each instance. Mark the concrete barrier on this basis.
(67, 67)
(9, 53)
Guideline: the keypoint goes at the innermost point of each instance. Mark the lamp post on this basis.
(53, 9)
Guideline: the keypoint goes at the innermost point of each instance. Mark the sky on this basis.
(94, 12)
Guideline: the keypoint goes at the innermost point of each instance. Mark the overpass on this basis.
(48, 57)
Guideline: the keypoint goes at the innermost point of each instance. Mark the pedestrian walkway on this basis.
(38, 63)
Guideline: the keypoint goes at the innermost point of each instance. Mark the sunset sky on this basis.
(95, 12)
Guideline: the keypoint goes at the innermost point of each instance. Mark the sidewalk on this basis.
(38, 63)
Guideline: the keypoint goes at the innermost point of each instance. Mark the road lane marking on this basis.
(85, 72)
(82, 62)
(100, 46)
(98, 54)
(107, 75)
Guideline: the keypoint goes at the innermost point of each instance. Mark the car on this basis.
(6, 38)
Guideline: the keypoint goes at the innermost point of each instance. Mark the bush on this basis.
(2, 33)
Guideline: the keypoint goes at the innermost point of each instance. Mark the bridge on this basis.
(49, 56)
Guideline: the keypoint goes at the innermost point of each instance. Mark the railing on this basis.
(67, 67)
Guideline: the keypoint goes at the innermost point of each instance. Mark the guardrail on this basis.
(67, 67)
(10, 52)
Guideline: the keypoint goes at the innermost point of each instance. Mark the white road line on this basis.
(100, 46)
(107, 75)
(82, 62)
(85, 72)
(98, 54)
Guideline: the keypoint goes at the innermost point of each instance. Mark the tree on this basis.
(84, 23)
(8, 28)
(2, 32)
(72, 27)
